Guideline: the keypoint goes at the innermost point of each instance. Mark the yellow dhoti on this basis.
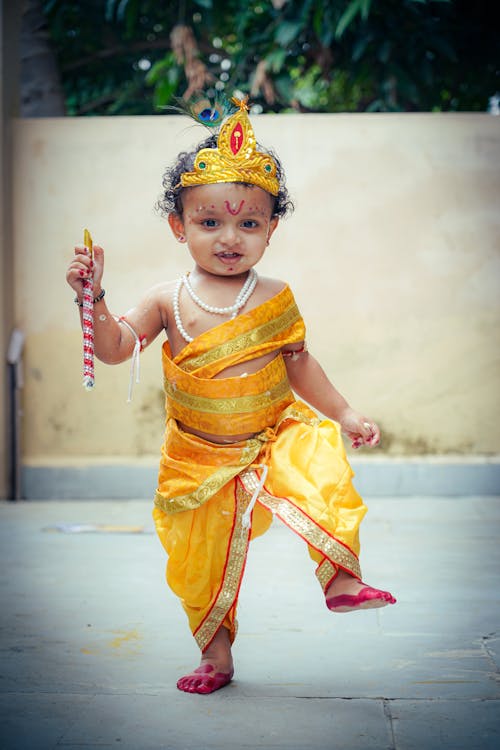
(294, 468)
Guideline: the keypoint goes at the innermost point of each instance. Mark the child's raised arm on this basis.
(113, 342)
(310, 382)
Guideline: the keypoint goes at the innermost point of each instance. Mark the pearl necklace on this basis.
(243, 296)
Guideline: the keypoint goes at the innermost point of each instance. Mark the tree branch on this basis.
(117, 50)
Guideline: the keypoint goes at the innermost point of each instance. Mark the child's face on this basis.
(227, 226)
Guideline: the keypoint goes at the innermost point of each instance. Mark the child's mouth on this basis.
(228, 257)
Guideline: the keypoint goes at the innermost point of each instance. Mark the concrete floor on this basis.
(92, 641)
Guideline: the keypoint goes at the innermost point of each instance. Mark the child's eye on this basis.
(249, 224)
(210, 223)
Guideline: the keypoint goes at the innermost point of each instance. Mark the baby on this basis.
(239, 447)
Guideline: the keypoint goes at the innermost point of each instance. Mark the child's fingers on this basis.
(82, 258)
(97, 251)
(361, 431)
(84, 267)
(82, 250)
(98, 263)
(81, 267)
(375, 440)
(366, 429)
(98, 255)
(369, 434)
(75, 278)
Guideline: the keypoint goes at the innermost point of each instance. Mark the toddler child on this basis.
(239, 448)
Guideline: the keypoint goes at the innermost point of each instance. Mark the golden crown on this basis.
(236, 158)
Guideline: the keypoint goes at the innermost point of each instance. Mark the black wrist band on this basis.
(99, 297)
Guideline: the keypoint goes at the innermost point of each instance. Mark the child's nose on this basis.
(229, 234)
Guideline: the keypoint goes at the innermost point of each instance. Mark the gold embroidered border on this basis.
(325, 572)
(212, 484)
(297, 415)
(235, 565)
(254, 337)
(238, 405)
(305, 526)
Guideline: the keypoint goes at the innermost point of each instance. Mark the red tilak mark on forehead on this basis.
(232, 211)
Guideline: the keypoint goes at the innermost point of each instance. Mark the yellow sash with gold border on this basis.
(236, 405)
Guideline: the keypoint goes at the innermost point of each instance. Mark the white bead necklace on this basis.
(244, 295)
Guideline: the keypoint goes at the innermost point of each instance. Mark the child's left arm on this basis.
(310, 382)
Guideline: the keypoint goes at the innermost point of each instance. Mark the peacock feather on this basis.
(210, 111)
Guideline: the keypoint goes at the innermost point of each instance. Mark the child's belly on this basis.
(246, 368)
(220, 439)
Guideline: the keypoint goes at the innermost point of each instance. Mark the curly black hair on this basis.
(171, 198)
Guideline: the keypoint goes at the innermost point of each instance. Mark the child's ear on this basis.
(272, 226)
(177, 226)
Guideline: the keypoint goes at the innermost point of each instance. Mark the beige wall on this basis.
(393, 255)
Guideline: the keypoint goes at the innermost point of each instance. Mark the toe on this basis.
(205, 686)
(188, 683)
(196, 683)
(183, 684)
(204, 680)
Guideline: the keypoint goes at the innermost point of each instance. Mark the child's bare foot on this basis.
(215, 670)
(205, 679)
(347, 594)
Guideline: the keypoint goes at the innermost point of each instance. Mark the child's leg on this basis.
(207, 551)
(216, 667)
(309, 487)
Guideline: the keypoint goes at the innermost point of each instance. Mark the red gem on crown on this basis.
(236, 140)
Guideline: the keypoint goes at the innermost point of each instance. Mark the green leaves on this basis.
(355, 8)
(308, 55)
(287, 32)
(164, 77)
(276, 60)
